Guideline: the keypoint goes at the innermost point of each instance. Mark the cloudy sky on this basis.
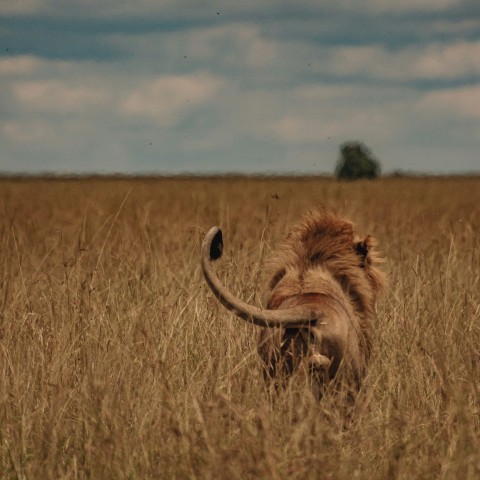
(275, 86)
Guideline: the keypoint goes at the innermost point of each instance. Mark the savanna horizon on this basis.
(117, 362)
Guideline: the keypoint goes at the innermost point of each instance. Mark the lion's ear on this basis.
(363, 247)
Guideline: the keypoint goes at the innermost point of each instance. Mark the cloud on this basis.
(434, 61)
(23, 132)
(319, 112)
(236, 46)
(171, 86)
(87, 89)
(240, 47)
(455, 26)
(15, 7)
(113, 8)
(65, 7)
(313, 129)
(169, 97)
(245, 42)
(60, 97)
(85, 116)
(201, 119)
(457, 60)
(21, 65)
(403, 6)
(462, 102)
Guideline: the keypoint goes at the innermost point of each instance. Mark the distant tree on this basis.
(356, 161)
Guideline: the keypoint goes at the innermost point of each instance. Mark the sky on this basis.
(252, 86)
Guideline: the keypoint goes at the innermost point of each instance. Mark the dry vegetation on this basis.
(116, 362)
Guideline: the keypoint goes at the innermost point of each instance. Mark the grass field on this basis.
(117, 362)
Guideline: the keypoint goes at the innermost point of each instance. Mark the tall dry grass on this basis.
(116, 362)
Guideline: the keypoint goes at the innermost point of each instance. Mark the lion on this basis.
(324, 282)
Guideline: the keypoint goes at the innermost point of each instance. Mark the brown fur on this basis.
(324, 266)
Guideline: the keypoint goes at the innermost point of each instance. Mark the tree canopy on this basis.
(356, 161)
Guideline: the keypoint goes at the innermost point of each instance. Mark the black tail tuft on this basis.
(216, 247)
